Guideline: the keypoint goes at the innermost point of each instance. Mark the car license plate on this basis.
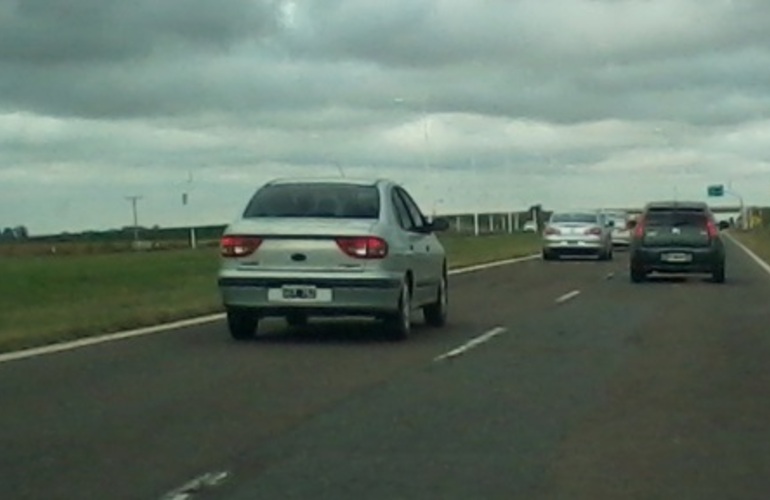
(676, 257)
(299, 292)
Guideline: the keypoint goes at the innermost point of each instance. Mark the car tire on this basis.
(436, 313)
(398, 325)
(242, 323)
(638, 275)
(718, 273)
(296, 319)
(548, 255)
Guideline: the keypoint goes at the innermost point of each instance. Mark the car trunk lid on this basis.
(302, 244)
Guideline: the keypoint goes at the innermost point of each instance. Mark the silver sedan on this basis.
(577, 233)
(332, 247)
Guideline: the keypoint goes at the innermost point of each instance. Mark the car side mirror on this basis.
(438, 224)
(610, 223)
(723, 224)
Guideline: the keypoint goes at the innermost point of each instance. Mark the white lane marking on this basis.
(471, 343)
(756, 258)
(490, 265)
(203, 482)
(568, 296)
(109, 337)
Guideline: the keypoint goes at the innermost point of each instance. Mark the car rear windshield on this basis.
(583, 218)
(675, 218)
(333, 200)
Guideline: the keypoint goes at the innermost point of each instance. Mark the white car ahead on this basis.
(332, 247)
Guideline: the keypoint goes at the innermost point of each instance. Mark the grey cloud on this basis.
(48, 32)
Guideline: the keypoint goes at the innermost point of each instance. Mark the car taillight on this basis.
(639, 229)
(597, 231)
(364, 247)
(551, 230)
(238, 246)
(712, 229)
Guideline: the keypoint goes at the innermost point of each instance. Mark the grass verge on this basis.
(757, 240)
(48, 299)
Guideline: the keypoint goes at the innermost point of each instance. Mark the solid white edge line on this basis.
(109, 337)
(756, 258)
(204, 481)
(165, 327)
(474, 342)
(568, 296)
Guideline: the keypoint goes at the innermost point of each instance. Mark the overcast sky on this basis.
(471, 104)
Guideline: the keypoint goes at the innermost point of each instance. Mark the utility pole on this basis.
(185, 202)
(134, 199)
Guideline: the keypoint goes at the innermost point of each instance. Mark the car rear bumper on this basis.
(572, 246)
(337, 296)
(621, 239)
(702, 260)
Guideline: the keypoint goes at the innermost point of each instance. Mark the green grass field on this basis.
(49, 298)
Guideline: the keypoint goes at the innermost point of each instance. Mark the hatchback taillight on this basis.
(712, 229)
(639, 228)
(238, 246)
(363, 247)
(551, 230)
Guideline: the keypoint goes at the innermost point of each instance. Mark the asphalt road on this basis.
(580, 385)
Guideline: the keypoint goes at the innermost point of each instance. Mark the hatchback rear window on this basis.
(583, 218)
(675, 218)
(333, 200)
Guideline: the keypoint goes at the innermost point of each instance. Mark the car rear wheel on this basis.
(398, 325)
(548, 255)
(242, 323)
(718, 274)
(436, 313)
(638, 274)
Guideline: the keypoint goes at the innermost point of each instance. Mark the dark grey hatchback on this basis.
(677, 237)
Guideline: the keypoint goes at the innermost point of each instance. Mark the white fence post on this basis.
(476, 223)
(491, 222)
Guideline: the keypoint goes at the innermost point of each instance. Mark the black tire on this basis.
(398, 325)
(436, 314)
(718, 273)
(297, 319)
(242, 324)
(638, 275)
(548, 255)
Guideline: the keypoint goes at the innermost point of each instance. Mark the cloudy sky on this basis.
(471, 104)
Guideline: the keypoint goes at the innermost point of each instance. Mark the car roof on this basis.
(358, 181)
(591, 211)
(677, 205)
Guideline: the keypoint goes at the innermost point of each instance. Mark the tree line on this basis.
(18, 233)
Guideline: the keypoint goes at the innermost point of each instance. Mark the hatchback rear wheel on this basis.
(638, 274)
(718, 273)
